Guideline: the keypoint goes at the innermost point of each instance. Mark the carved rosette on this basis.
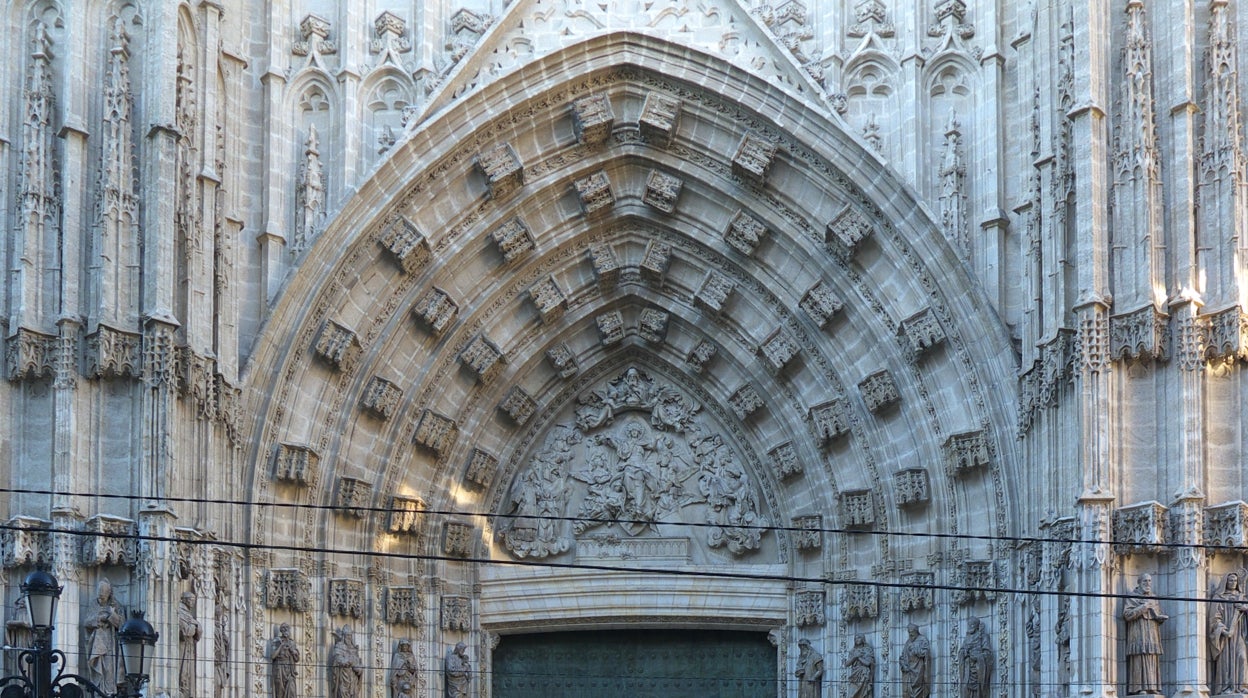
(402, 606)
(745, 233)
(660, 116)
(594, 193)
(502, 169)
(610, 327)
(606, 266)
(518, 405)
(699, 355)
(879, 391)
(1140, 335)
(352, 497)
(784, 461)
(381, 397)
(860, 601)
(295, 464)
(654, 263)
(405, 243)
(912, 487)
(25, 542)
(592, 119)
(917, 594)
(1140, 528)
(286, 588)
(808, 608)
(662, 191)
(1226, 526)
(346, 598)
(480, 469)
(847, 230)
(435, 432)
(436, 310)
(112, 353)
(514, 239)
(920, 333)
(808, 532)
(652, 325)
(562, 360)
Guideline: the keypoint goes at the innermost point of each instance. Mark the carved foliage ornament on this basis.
(286, 588)
(1140, 528)
(25, 542)
(808, 608)
(1140, 335)
(1226, 525)
(108, 540)
(346, 598)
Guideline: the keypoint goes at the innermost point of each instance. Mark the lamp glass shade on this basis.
(41, 593)
(138, 639)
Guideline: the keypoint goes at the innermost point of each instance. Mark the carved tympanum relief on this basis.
(634, 460)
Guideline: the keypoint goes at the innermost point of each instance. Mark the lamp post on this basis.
(136, 639)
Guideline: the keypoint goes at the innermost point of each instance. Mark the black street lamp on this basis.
(135, 641)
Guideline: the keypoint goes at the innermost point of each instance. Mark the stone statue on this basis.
(18, 634)
(345, 670)
(221, 641)
(916, 657)
(458, 672)
(809, 671)
(1144, 618)
(1228, 636)
(101, 626)
(403, 672)
(861, 669)
(188, 639)
(976, 658)
(285, 659)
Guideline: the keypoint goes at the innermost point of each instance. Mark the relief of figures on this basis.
(636, 458)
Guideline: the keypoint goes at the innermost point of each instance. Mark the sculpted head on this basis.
(1146, 584)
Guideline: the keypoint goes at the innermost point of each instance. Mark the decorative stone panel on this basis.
(967, 452)
(436, 310)
(108, 540)
(483, 358)
(405, 243)
(777, 350)
(435, 432)
(286, 588)
(976, 581)
(295, 464)
(518, 405)
(406, 515)
(594, 193)
(457, 613)
(592, 119)
(402, 606)
(860, 601)
(389, 29)
(610, 327)
(514, 239)
(808, 532)
(714, 291)
(1227, 334)
(808, 608)
(1140, 335)
(1226, 525)
(1140, 528)
(480, 469)
(457, 538)
(337, 346)
(847, 230)
(549, 299)
(502, 169)
(784, 461)
(879, 391)
(820, 303)
(112, 353)
(31, 355)
(352, 497)
(830, 420)
(346, 598)
(753, 158)
(606, 266)
(699, 355)
(920, 333)
(745, 401)
(562, 360)
(912, 487)
(652, 325)
(858, 509)
(917, 593)
(381, 397)
(25, 542)
(314, 33)
(662, 191)
(655, 262)
(744, 233)
(660, 115)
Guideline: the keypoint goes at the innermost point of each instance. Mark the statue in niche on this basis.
(809, 671)
(345, 670)
(1228, 636)
(101, 626)
(458, 672)
(188, 640)
(915, 660)
(861, 669)
(17, 634)
(221, 639)
(1144, 618)
(284, 657)
(976, 657)
(404, 671)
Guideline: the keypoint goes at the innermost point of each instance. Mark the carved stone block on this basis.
(967, 452)
(714, 291)
(753, 158)
(879, 391)
(435, 432)
(390, 25)
(483, 358)
(562, 360)
(31, 355)
(502, 169)
(847, 230)
(480, 469)
(655, 262)
(1140, 335)
(912, 487)
(830, 420)
(592, 119)
(109, 540)
(745, 401)
(858, 509)
(860, 601)
(1140, 528)
(514, 239)
(402, 606)
(286, 588)
(407, 515)
(295, 464)
(457, 613)
(1227, 334)
(660, 116)
(457, 538)
(976, 580)
(381, 397)
(606, 266)
(784, 461)
(777, 350)
(700, 354)
(917, 594)
(808, 608)
(744, 233)
(405, 243)
(518, 405)
(820, 303)
(662, 191)
(1227, 525)
(352, 497)
(314, 31)
(594, 193)
(808, 533)
(652, 325)
(113, 353)
(920, 333)
(436, 310)
(610, 327)
(549, 299)
(346, 598)
(25, 541)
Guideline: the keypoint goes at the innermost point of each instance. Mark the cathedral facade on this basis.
(408, 348)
